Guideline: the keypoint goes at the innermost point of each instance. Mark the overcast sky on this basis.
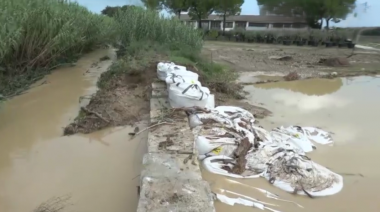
(364, 17)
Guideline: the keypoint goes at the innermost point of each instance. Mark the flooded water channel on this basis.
(37, 163)
(347, 107)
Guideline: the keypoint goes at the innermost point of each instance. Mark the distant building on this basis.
(248, 22)
(265, 12)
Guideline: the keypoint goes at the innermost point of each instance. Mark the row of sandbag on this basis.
(184, 88)
(278, 155)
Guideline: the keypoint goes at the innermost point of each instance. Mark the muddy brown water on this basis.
(347, 107)
(37, 163)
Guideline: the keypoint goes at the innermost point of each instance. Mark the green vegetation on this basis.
(227, 8)
(138, 24)
(278, 36)
(372, 32)
(315, 10)
(37, 36)
(198, 9)
(111, 11)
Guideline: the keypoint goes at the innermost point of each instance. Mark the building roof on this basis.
(251, 18)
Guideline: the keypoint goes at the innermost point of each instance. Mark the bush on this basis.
(40, 34)
(372, 32)
(279, 35)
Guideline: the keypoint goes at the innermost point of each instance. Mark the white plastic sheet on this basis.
(242, 201)
(284, 144)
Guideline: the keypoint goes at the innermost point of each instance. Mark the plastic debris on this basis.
(242, 201)
(278, 155)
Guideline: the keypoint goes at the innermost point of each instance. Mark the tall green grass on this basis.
(40, 34)
(137, 25)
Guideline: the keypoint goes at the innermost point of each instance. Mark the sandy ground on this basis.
(244, 57)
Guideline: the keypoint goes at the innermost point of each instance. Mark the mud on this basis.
(39, 168)
(344, 106)
(124, 101)
(240, 153)
(305, 60)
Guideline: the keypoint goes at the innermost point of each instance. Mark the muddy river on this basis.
(346, 107)
(98, 171)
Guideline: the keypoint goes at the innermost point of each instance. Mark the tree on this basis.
(199, 9)
(152, 4)
(176, 6)
(312, 10)
(227, 8)
(111, 11)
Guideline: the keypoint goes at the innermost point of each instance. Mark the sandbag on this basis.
(207, 144)
(181, 71)
(174, 78)
(188, 95)
(163, 69)
(210, 102)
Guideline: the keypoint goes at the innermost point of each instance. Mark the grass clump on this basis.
(37, 36)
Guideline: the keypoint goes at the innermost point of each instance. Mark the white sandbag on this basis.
(211, 102)
(174, 78)
(187, 95)
(207, 144)
(163, 69)
(183, 72)
(176, 68)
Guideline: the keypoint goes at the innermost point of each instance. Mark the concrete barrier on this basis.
(170, 182)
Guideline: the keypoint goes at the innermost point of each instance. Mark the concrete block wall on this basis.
(169, 181)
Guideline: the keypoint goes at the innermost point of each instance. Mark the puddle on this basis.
(254, 77)
(98, 170)
(346, 107)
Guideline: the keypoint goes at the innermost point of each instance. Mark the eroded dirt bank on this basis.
(38, 163)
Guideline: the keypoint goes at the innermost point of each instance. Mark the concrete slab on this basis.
(159, 103)
(169, 165)
(160, 93)
(175, 194)
(158, 85)
(171, 139)
(167, 182)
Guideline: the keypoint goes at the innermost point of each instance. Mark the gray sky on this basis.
(365, 17)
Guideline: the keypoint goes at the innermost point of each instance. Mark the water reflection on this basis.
(36, 163)
(316, 87)
(346, 107)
